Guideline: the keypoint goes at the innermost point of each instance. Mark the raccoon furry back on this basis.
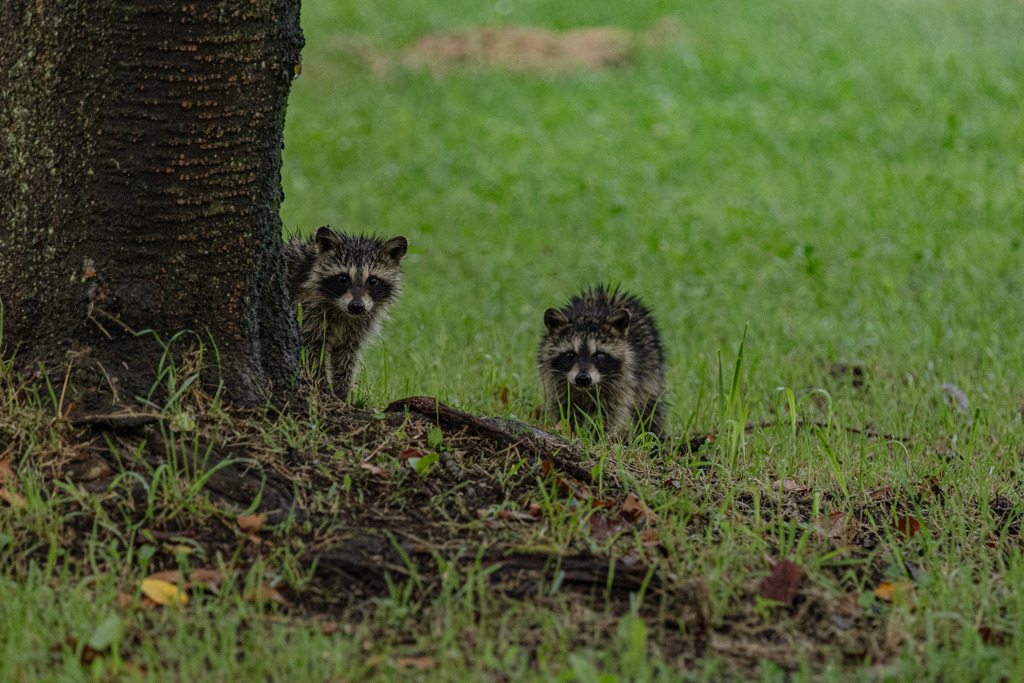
(601, 360)
(342, 287)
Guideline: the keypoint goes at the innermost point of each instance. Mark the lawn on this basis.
(822, 204)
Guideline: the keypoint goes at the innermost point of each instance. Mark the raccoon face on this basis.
(590, 354)
(359, 274)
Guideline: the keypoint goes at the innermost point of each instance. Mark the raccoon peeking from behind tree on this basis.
(601, 361)
(342, 287)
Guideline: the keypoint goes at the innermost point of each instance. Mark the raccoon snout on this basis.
(356, 307)
(583, 379)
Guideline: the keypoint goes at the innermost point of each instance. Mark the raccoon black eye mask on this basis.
(343, 286)
(601, 361)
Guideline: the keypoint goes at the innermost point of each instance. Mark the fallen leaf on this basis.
(568, 486)
(211, 578)
(252, 523)
(15, 500)
(516, 515)
(423, 663)
(163, 593)
(6, 473)
(87, 468)
(635, 509)
(603, 504)
(374, 469)
(833, 526)
(329, 627)
(789, 486)
(650, 537)
(885, 591)
(179, 549)
(672, 483)
(886, 493)
(782, 583)
(265, 593)
(411, 453)
(992, 637)
(929, 486)
(888, 590)
(601, 526)
(908, 526)
(169, 576)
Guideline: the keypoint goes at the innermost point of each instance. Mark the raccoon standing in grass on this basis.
(342, 287)
(601, 360)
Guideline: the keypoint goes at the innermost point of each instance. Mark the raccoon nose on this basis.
(356, 306)
(583, 380)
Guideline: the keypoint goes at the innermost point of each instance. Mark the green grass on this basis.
(844, 178)
(821, 182)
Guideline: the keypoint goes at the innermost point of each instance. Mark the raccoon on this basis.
(601, 358)
(344, 285)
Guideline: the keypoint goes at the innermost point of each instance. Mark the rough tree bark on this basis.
(140, 158)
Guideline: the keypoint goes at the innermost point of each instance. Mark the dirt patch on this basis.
(520, 48)
(523, 48)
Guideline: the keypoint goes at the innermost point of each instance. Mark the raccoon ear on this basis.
(395, 248)
(327, 239)
(554, 318)
(619, 320)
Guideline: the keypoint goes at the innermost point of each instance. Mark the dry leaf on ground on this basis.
(6, 473)
(782, 584)
(601, 527)
(12, 498)
(834, 526)
(374, 469)
(211, 578)
(265, 593)
(789, 486)
(888, 590)
(252, 523)
(636, 509)
(908, 526)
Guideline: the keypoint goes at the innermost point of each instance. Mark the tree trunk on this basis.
(140, 162)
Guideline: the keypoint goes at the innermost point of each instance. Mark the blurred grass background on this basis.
(846, 178)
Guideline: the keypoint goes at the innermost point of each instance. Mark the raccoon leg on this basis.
(345, 369)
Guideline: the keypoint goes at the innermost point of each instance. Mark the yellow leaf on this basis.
(888, 590)
(252, 523)
(163, 593)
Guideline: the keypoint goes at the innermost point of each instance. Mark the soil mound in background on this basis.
(523, 48)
